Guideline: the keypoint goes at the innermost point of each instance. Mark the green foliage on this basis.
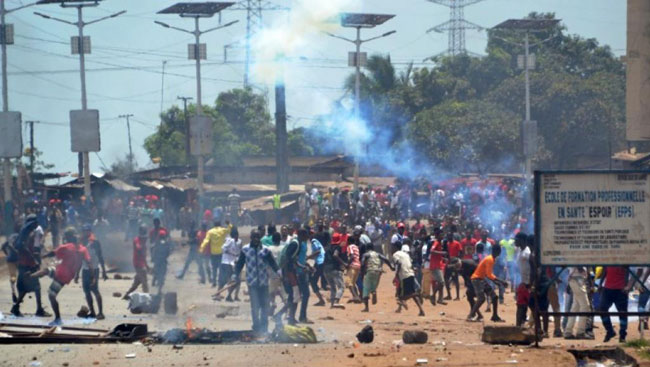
(465, 112)
(452, 134)
(241, 127)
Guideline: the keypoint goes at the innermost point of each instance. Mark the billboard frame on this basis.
(538, 251)
(537, 205)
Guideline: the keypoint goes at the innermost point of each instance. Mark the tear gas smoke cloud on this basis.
(288, 38)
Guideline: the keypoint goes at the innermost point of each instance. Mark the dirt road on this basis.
(452, 341)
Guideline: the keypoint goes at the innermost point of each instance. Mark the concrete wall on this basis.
(638, 70)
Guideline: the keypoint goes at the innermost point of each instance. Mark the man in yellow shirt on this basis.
(481, 279)
(215, 238)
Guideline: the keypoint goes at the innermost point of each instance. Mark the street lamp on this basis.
(11, 144)
(200, 125)
(527, 62)
(358, 21)
(84, 123)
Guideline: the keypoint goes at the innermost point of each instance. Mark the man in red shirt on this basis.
(454, 249)
(72, 254)
(436, 264)
(139, 263)
(468, 243)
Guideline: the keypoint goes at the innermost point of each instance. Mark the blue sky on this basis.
(44, 79)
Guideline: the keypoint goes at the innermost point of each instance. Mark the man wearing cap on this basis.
(397, 240)
(71, 254)
(89, 277)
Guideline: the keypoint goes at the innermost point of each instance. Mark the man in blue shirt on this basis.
(257, 259)
(318, 255)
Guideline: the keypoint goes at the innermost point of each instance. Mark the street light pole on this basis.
(528, 163)
(357, 85)
(6, 168)
(80, 24)
(199, 108)
(357, 101)
(84, 99)
(6, 164)
(190, 11)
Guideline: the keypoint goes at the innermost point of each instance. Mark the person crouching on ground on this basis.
(257, 259)
(72, 254)
(408, 286)
(372, 262)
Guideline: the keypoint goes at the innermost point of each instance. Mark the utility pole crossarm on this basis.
(55, 18)
(219, 27)
(106, 17)
(340, 37)
(172, 27)
(377, 37)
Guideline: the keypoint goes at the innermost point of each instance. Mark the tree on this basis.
(466, 136)
(577, 99)
(241, 127)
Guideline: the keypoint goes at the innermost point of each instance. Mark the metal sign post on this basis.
(87, 140)
(10, 144)
(200, 125)
(358, 21)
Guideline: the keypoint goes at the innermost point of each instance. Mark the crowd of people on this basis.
(457, 236)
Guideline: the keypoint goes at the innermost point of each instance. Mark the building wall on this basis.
(267, 175)
(638, 70)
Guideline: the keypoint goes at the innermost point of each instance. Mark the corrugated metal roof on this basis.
(120, 185)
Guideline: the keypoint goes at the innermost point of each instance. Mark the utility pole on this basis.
(31, 148)
(187, 129)
(6, 38)
(128, 129)
(198, 51)
(358, 21)
(85, 116)
(282, 152)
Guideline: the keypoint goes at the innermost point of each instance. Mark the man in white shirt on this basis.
(398, 238)
(408, 286)
(523, 289)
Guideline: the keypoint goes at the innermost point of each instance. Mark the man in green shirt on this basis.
(508, 245)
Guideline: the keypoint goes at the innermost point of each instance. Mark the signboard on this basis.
(200, 135)
(84, 130)
(362, 59)
(593, 217)
(77, 46)
(11, 137)
(192, 54)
